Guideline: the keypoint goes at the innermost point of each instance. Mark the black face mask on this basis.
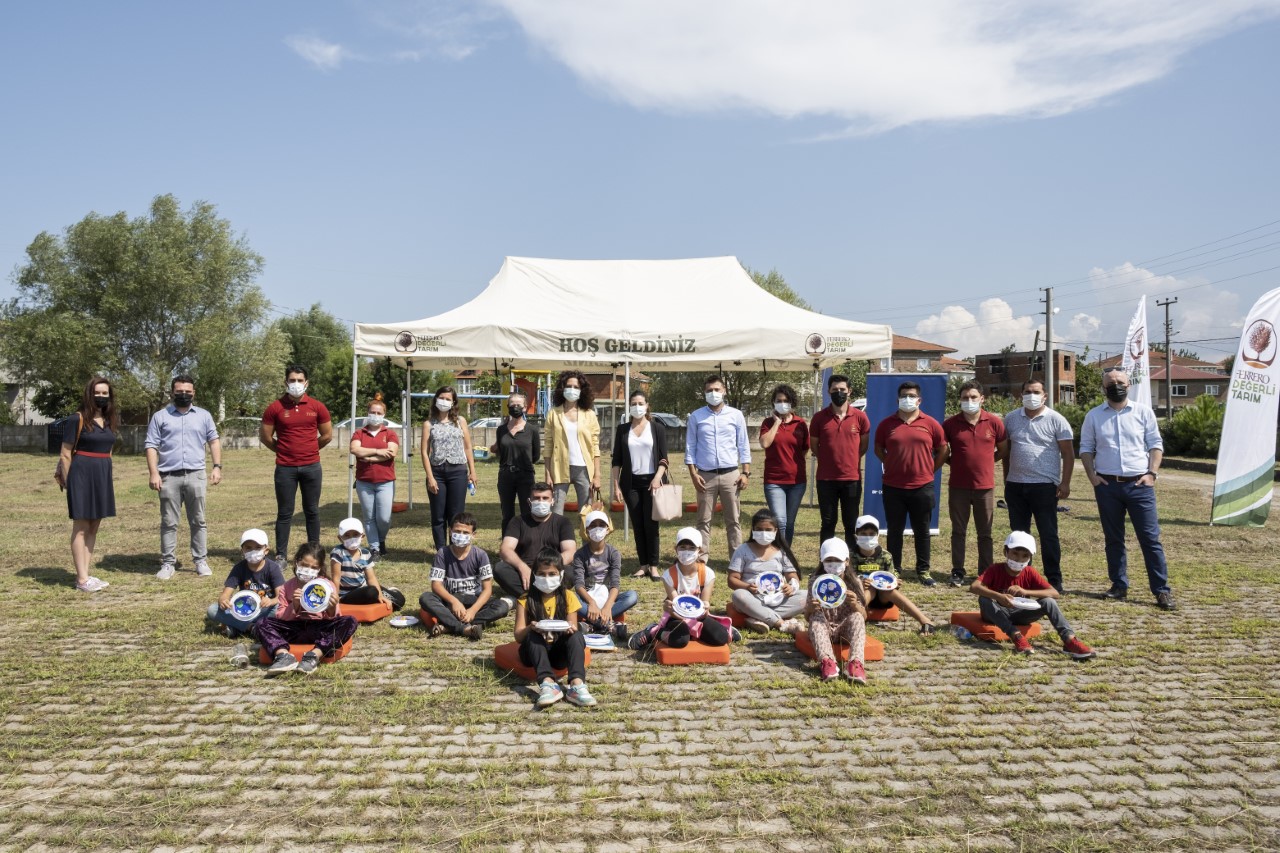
(102, 402)
(183, 400)
(839, 397)
(1116, 393)
(516, 411)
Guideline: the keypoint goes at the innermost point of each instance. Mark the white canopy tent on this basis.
(694, 314)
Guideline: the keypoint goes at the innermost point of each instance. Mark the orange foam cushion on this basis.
(972, 620)
(507, 656)
(298, 651)
(883, 614)
(735, 618)
(872, 650)
(428, 621)
(695, 652)
(368, 612)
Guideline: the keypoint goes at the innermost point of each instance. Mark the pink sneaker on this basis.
(829, 669)
(855, 672)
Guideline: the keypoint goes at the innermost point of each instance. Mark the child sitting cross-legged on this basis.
(870, 557)
(545, 651)
(689, 576)
(351, 567)
(461, 594)
(1015, 578)
(597, 571)
(292, 624)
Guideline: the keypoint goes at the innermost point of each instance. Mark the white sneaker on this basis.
(166, 571)
(92, 585)
(202, 568)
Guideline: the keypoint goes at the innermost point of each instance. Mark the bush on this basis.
(1196, 430)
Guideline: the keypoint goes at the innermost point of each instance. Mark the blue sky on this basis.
(928, 169)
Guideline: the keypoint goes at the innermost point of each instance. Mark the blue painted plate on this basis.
(317, 595)
(829, 591)
(245, 605)
(688, 606)
(883, 580)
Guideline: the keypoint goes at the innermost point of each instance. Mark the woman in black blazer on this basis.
(639, 466)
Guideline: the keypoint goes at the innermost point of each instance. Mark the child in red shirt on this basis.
(1015, 578)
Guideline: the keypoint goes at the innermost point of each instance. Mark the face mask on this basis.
(547, 583)
(714, 398)
(296, 389)
(183, 400)
(306, 573)
(102, 402)
(374, 421)
(1015, 566)
(867, 543)
(638, 410)
(540, 509)
(515, 411)
(839, 397)
(255, 557)
(444, 405)
(833, 567)
(460, 540)
(686, 556)
(764, 537)
(782, 408)
(597, 534)
(969, 406)
(571, 395)
(1116, 393)
(352, 542)
(1032, 401)
(908, 404)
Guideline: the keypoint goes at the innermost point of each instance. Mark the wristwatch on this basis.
(217, 465)
(1154, 475)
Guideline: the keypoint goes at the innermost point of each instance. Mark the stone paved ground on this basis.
(122, 725)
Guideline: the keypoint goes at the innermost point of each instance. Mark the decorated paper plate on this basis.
(245, 605)
(599, 594)
(1024, 603)
(688, 606)
(600, 642)
(317, 595)
(769, 583)
(883, 580)
(829, 590)
(403, 620)
(552, 626)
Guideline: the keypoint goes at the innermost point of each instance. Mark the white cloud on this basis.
(875, 65)
(438, 29)
(324, 55)
(993, 328)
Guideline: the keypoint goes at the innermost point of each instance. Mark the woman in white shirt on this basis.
(639, 467)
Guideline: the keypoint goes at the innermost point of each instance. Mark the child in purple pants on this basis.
(293, 625)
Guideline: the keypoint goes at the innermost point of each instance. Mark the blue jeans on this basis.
(375, 500)
(449, 499)
(237, 626)
(627, 599)
(783, 500)
(1114, 500)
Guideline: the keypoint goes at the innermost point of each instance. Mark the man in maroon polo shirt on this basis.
(976, 440)
(912, 446)
(296, 426)
(838, 437)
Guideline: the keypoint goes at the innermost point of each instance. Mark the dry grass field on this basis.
(123, 726)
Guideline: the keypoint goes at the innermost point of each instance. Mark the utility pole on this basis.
(1168, 357)
(1048, 347)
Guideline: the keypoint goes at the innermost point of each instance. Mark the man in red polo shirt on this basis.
(296, 427)
(838, 438)
(976, 440)
(912, 446)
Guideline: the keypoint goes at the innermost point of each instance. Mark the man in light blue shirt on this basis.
(176, 439)
(1121, 449)
(715, 444)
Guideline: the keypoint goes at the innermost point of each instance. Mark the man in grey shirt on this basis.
(176, 439)
(1037, 473)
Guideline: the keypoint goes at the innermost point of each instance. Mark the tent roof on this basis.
(695, 314)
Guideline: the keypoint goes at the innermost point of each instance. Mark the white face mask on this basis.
(1016, 565)
(686, 556)
(638, 410)
(540, 509)
(352, 543)
(1032, 401)
(296, 389)
(764, 537)
(597, 534)
(908, 404)
(375, 420)
(547, 583)
(460, 540)
(970, 406)
(306, 573)
(571, 395)
(714, 398)
(444, 405)
(255, 557)
(782, 408)
(833, 567)
(866, 543)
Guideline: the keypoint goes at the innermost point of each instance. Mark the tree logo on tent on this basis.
(815, 344)
(406, 342)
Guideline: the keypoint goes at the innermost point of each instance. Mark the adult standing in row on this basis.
(715, 446)
(572, 437)
(976, 439)
(1121, 449)
(911, 445)
(375, 446)
(176, 438)
(518, 447)
(839, 437)
(784, 435)
(296, 427)
(1037, 473)
(639, 466)
(448, 461)
(84, 471)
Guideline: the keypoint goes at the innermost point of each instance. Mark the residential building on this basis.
(1003, 373)
(910, 355)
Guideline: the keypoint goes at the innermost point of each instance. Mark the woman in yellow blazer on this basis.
(571, 440)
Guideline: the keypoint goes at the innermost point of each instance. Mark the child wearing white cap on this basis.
(597, 574)
(847, 623)
(689, 576)
(351, 568)
(1001, 583)
(256, 572)
(869, 557)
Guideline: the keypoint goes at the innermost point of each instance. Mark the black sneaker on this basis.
(641, 639)
(1164, 600)
(310, 662)
(957, 579)
(1117, 592)
(284, 662)
(926, 579)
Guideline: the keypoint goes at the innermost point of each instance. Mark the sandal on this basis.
(436, 630)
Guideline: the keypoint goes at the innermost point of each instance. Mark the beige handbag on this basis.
(668, 502)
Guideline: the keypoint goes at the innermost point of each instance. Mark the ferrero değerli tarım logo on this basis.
(1258, 345)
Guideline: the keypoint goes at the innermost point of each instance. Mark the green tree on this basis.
(138, 300)
(321, 343)
(1088, 381)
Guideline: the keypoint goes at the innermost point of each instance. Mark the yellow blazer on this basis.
(555, 446)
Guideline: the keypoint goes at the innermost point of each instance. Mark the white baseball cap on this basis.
(864, 520)
(349, 524)
(689, 533)
(1020, 539)
(254, 535)
(834, 548)
(596, 515)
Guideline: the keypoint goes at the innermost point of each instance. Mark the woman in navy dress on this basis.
(84, 470)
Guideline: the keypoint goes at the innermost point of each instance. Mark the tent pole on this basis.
(813, 461)
(351, 460)
(406, 413)
(626, 390)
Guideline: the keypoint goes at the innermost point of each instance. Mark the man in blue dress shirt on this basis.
(715, 445)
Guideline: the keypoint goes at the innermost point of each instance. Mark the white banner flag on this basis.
(1137, 356)
(1247, 452)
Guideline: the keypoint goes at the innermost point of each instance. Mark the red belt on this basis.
(94, 455)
